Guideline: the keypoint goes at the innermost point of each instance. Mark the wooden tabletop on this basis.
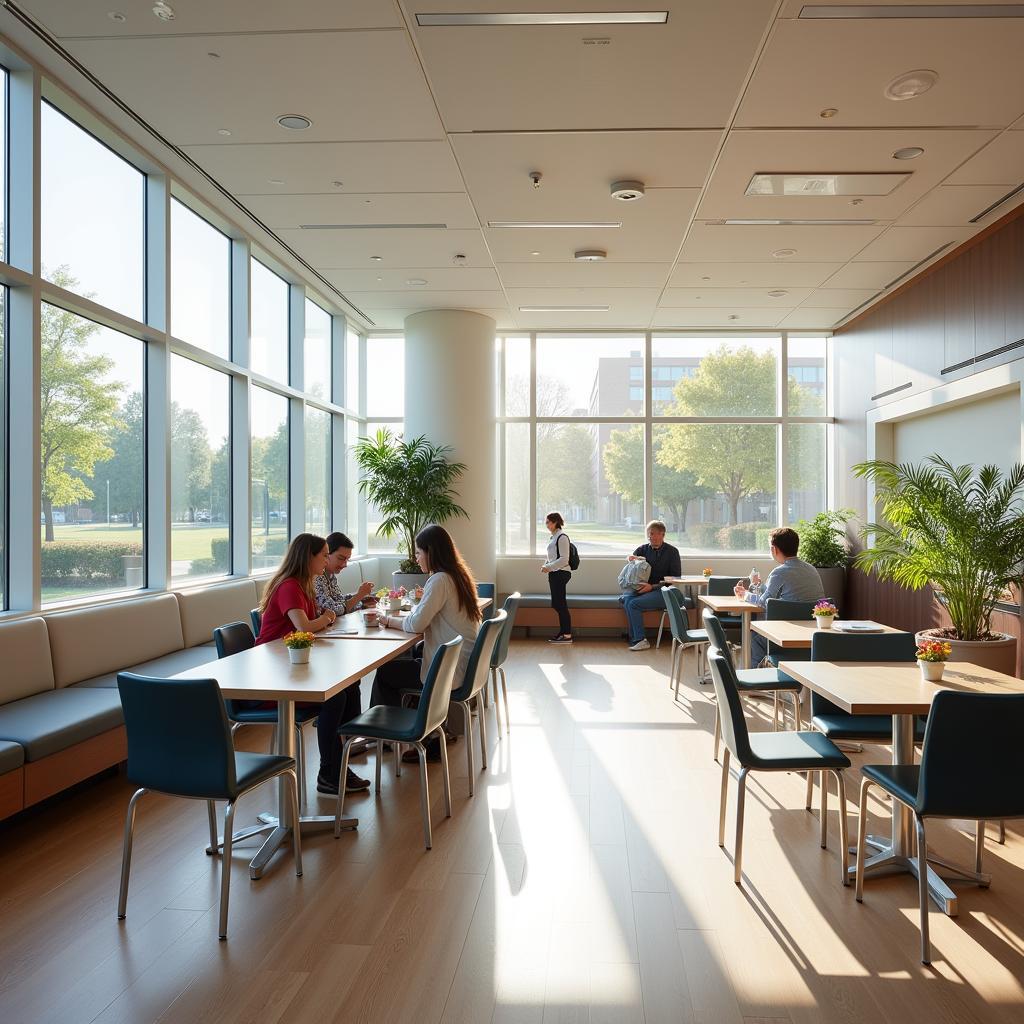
(797, 633)
(893, 688)
(352, 626)
(265, 673)
(688, 580)
(729, 604)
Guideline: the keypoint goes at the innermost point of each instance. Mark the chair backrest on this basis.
(478, 668)
(233, 638)
(716, 635)
(776, 608)
(827, 645)
(734, 725)
(677, 620)
(510, 608)
(972, 760)
(256, 616)
(485, 590)
(179, 740)
(722, 586)
(437, 687)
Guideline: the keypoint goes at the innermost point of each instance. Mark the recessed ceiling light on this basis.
(223, 131)
(829, 112)
(564, 309)
(778, 293)
(380, 278)
(116, 16)
(589, 255)
(294, 122)
(874, 11)
(536, 252)
(338, 184)
(783, 253)
(416, 282)
(459, 259)
(376, 259)
(706, 278)
(733, 316)
(908, 153)
(627, 191)
(837, 183)
(164, 11)
(213, 55)
(766, 222)
(910, 85)
(538, 18)
(567, 224)
(274, 181)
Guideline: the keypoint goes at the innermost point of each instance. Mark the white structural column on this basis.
(449, 398)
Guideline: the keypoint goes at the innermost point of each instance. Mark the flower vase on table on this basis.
(932, 656)
(824, 613)
(299, 645)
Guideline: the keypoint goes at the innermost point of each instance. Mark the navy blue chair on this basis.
(485, 590)
(412, 726)
(179, 743)
(256, 617)
(776, 608)
(724, 586)
(772, 752)
(232, 639)
(971, 767)
(499, 658)
(682, 637)
(751, 680)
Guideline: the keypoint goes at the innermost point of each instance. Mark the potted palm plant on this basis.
(962, 533)
(823, 544)
(411, 485)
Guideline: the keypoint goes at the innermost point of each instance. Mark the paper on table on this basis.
(858, 626)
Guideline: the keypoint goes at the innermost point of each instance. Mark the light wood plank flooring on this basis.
(582, 883)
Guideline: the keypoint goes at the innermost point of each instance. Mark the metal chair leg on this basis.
(922, 875)
(775, 710)
(467, 721)
(661, 629)
(482, 724)
(1002, 833)
(797, 716)
(741, 793)
(445, 775)
(342, 775)
(718, 729)
(397, 750)
(862, 832)
(810, 791)
(823, 823)
(723, 799)
(424, 794)
(380, 757)
(293, 795)
(844, 832)
(126, 853)
(979, 845)
(497, 707)
(300, 764)
(211, 812)
(504, 700)
(225, 868)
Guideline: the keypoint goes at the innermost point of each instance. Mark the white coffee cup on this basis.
(369, 617)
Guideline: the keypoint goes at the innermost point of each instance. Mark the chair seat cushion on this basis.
(252, 769)
(901, 780)
(47, 723)
(696, 636)
(385, 723)
(872, 728)
(765, 679)
(12, 755)
(168, 665)
(268, 715)
(795, 751)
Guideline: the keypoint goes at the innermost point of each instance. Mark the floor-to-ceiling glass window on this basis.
(385, 406)
(269, 331)
(318, 471)
(268, 420)
(317, 353)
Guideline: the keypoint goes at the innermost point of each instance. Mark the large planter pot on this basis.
(833, 582)
(408, 579)
(999, 655)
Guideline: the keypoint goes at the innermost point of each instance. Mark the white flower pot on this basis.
(932, 670)
(825, 621)
(299, 655)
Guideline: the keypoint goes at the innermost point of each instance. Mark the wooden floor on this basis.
(582, 883)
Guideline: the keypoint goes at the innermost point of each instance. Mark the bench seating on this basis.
(588, 610)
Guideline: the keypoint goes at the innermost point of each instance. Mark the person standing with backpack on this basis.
(560, 558)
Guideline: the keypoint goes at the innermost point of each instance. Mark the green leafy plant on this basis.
(823, 538)
(959, 530)
(410, 483)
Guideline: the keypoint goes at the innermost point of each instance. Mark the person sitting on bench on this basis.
(664, 561)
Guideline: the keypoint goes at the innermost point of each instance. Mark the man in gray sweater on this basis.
(792, 580)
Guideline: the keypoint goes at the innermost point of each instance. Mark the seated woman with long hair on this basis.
(447, 609)
(289, 604)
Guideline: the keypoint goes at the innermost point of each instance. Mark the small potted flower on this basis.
(825, 612)
(298, 644)
(707, 572)
(395, 600)
(415, 596)
(932, 655)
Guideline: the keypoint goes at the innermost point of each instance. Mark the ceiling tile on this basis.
(260, 77)
(392, 279)
(394, 319)
(421, 298)
(419, 248)
(642, 300)
(953, 204)
(868, 275)
(606, 274)
(734, 298)
(1001, 162)
(806, 318)
(452, 209)
(910, 243)
(529, 78)
(839, 298)
(727, 242)
(799, 74)
(745, 319)
(775, 274)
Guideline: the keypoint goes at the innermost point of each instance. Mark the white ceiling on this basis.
(442, 126)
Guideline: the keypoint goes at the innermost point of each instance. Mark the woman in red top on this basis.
(288, 604)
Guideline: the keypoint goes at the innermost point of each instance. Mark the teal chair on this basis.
(499, 658)
(772, 752)
(485, 590)
(971, 767)
(179, 743)
(682, 637)
(777, 609)
(396, 726)
(256, 617)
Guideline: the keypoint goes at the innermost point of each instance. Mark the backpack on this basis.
(634, 574)
(574, 557)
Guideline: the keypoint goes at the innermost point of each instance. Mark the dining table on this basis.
(728, 604)
(899, 689)
(795, 634)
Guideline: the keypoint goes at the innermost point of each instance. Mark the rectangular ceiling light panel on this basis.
(874, 11)
(372, 227)
(564, 309)
(832, 184)
(570, 224)
(548, 18)
(748, 221)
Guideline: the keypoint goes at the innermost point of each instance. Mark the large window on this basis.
(200, 282)
(268, 416)
(268, 352)
(352, 370)
(318, 471)
(3, 173)
(200, 470)
(93, 217)
(317, 353)
(375, 541)
(3, 448)
(718, 456)
(385, 377)
(92, 465)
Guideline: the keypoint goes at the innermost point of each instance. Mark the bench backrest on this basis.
(25, 657)
(202, 611)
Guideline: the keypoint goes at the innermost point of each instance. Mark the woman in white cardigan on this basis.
(447, 609)
(557, 570)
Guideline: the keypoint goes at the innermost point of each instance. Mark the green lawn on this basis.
(189, 541)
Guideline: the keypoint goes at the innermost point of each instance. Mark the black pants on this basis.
(557, 581)
(392, 678)
(334, 713)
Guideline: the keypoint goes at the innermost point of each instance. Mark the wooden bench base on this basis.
(63, 769)
(12, 792)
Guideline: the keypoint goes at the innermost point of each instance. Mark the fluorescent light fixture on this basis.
(566, 224)
(564, 309)
(748, 221)
(545, 18)
(871, 11)
(840, 183)
(371, 227)
(999, 202)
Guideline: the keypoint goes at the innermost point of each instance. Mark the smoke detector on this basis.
(165, 12)
(589, 255)
(627, 191)
(459, 260)
(296, 122)
(535, 177)
(910, 85)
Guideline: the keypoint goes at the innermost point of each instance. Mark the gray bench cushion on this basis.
(12, 755)
(168, 665)
(50, 722)
(573, 600)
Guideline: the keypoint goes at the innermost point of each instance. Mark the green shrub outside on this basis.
(97, 562)
(740, 537)
(703, 535)
(762, 537)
